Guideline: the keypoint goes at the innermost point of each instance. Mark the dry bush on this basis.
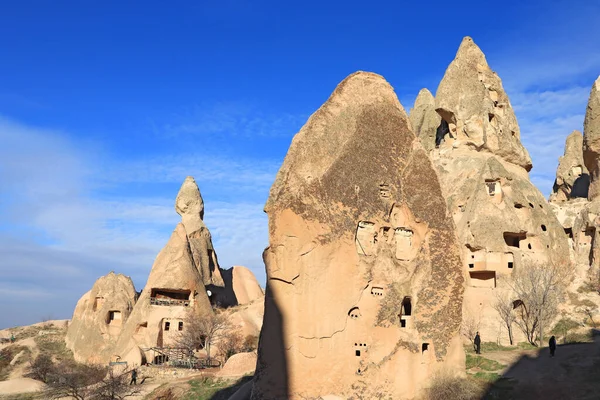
(231, 343)
(202, 333)
(41, 367)
(250, 343)
(444, 386)
(73, 380)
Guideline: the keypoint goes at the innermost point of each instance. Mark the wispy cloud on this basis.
(232, 120)
(69, 214)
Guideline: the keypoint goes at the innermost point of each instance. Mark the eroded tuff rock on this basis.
(364, 274)
(591, 140)
(99, 317)
(572, 178)
(174, 291)
(503, 221)
(473, 103)
(424, 119)
(190, 206)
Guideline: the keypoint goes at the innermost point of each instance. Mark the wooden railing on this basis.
(155, 301)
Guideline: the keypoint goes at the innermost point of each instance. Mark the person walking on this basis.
(552, 345)
(133, 377)
(477, 343)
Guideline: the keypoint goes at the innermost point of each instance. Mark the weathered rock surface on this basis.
(239, 365)
(99, 317)
(190, 206)
(591, 140)
(472, 101)
(364, 272)
(424, 119)
(240, 287)
(572, 178)
(503, 221)
(174, 292)
(245, 285)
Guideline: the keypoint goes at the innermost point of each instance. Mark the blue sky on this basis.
(105, 107)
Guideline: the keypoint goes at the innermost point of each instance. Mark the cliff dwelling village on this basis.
(410, 257)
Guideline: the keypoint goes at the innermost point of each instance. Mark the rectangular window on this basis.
(180, 325)
(167, 326)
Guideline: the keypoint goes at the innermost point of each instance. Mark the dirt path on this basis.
(20, 369)
(573, 373)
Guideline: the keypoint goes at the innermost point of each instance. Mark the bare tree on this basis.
(470, 325)
(73, 380)
(201, 333)
(41, 367)
(115, 386)
(230, 344)
(504, 306)
(537, 289)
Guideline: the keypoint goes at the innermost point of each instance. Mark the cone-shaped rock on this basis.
(99, 316)
(503, 221)
(190, 206)
(572, 178)
(173, 291)
(424, 119)
(591, 140)
(472, 101)
(363, 268)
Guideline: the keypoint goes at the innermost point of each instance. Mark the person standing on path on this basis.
(133, 377)
(552, 345)
(477, 343)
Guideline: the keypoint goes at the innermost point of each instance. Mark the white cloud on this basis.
(233, 119)
(60, 229)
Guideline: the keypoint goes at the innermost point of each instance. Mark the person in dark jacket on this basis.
(477, 343)
(552, 345)
(133, 377)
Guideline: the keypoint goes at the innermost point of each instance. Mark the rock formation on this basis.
(173, 293)
(580, 218)
(472, 101)
(572, 179)
(424, 119)
(190, 206)
(364, 272)
(109, 324)
(591, 140)
(503, 221)
(99, 317)
(245, 285)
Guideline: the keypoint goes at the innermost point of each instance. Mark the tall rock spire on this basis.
(472, 101)
(424, 119)
(190, 206)
(591, 140)
(363, 267)
(572, 179)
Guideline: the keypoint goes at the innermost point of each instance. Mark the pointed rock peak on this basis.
(476, 110)
(591, 140)
(365, 88)
(572, 179)
(174, 266)
(470, 51)
(189, 200)
(424, 119)
(424, 97)
(574, 143)
(342, 129)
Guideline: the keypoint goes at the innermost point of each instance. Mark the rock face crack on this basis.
(291, 282)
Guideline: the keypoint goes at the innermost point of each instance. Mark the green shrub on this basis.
(483, 363)
(490, 377)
